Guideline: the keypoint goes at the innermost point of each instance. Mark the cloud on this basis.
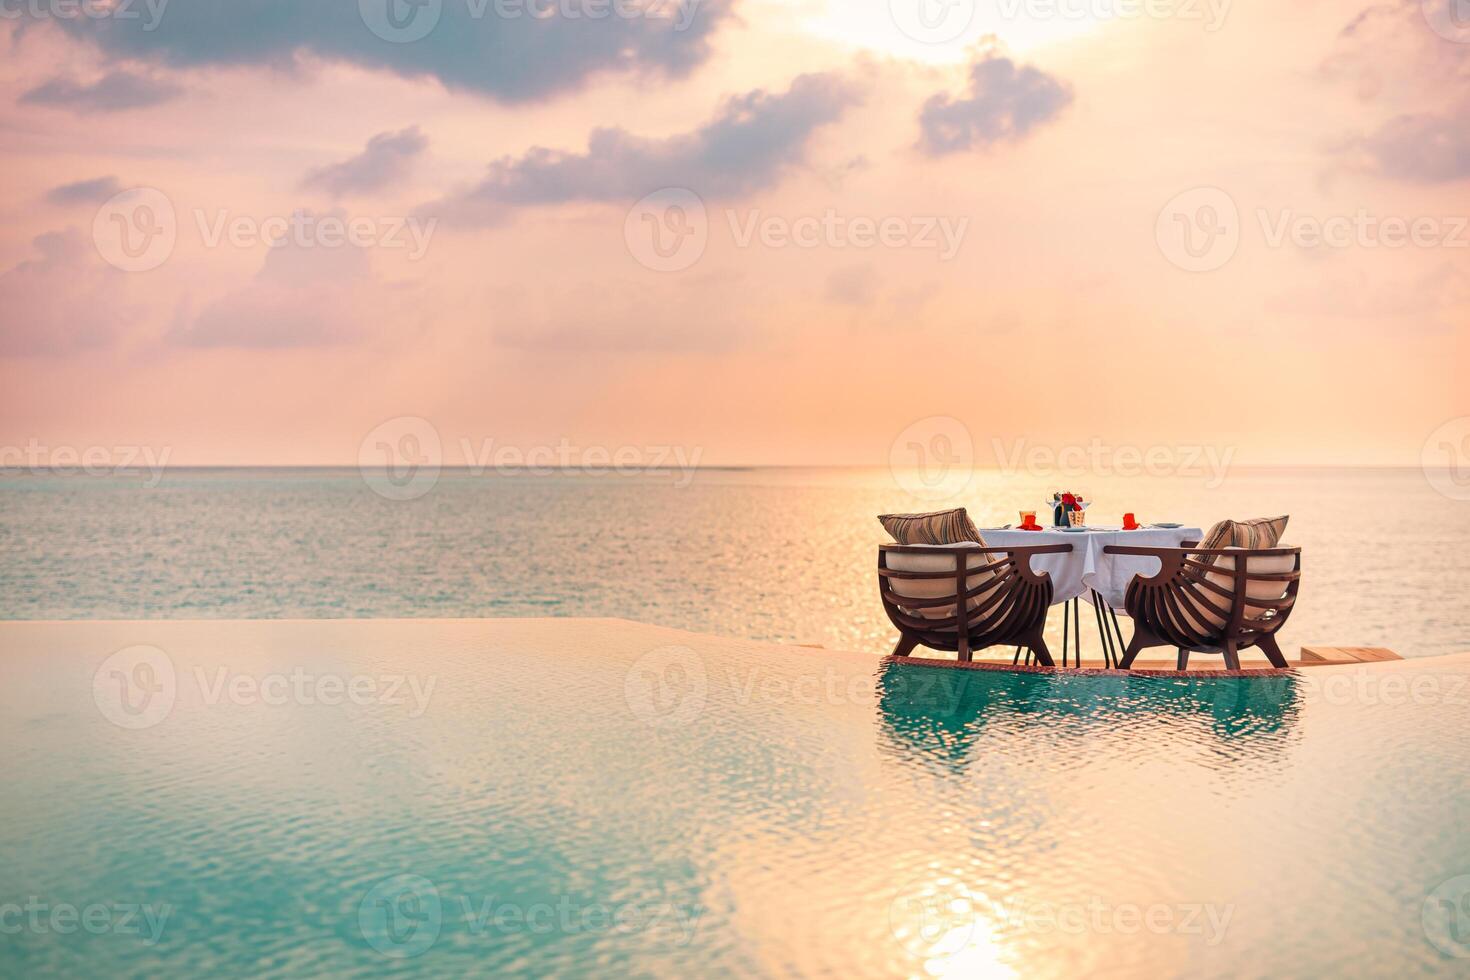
(752, 140)
(386, 160)
(1005, 102)
(114, 92)
(853, 285)
(65, 301)
(493, 47)
(305, 295)
(93, 191)
(1422, 147)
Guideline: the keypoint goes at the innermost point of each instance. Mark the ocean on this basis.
(778, 554)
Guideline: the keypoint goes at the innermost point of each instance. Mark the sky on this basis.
(800, 232)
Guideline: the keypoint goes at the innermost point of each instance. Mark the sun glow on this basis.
(933, 31)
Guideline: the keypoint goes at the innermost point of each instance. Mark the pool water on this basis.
(592, 798)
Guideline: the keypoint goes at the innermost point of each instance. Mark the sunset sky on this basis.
(782, 232)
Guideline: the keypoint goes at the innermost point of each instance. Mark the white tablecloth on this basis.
(1087, 568)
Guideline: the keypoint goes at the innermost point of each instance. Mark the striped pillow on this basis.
(1263, 532)
(940, 527)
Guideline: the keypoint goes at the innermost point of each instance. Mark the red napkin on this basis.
(1029, 527)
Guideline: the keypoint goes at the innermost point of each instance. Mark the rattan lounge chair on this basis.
(1221, 600)
(965, 597)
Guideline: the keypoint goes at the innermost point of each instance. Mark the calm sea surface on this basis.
(769, 554)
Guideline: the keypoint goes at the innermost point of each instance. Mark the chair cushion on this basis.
(941, 527)
(1263, 532)
(940, 559)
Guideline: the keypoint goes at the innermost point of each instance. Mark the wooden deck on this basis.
(1160, 659)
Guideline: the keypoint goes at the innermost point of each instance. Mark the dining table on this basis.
(1086, 571)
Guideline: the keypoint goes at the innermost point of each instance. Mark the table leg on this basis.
(1066, 623)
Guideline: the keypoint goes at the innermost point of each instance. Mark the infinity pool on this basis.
(592, 797)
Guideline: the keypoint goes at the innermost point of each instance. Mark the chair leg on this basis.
(1102, 629)
(1017, 658)
(905, 646)
(1183, 662)
(1232, 656)
(1268, 646)
(1038, 645)
(1135, 645)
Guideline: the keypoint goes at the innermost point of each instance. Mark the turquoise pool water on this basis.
(594, 799)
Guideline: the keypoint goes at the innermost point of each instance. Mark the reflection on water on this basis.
(788, 814)
(943, 714)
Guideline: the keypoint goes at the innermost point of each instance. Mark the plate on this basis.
(1169, 527)
(1075, 530)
